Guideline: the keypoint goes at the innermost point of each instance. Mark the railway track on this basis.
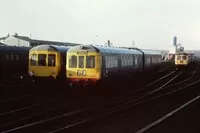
(42, 120)
(168, 115)
(84, 114)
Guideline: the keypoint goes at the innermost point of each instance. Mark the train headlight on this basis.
(31, 73)
(83, 73)
(79, 73)
(53, 73)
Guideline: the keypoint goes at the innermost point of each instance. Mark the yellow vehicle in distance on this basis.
(183, 59)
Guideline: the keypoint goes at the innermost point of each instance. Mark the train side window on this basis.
(7, 56)
(81, 61)
(42, 59)
(136, 62)
(178, 57)
(33, 59)
(110, 61)
(90, 62)
(106, 62)
(11, 56)
(51, 60)
(116, 61)
(73, 61)
(123, 61)
(17, 57)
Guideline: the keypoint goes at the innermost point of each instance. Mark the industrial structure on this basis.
(174, 49)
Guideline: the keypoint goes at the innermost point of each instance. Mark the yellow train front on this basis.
(83, 65)
(182, 60)
(47, 62)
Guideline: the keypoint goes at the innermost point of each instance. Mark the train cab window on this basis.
(42, 59)
(51, 59)
(90, 62)
(184, 57)
(33, 59)
(178, 57)
(73, 61)
(81, 61)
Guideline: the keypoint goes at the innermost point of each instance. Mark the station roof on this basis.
(40, 42)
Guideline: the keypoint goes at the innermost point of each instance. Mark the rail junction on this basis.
(133, 105)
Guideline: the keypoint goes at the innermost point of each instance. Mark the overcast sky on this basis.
(150, 23)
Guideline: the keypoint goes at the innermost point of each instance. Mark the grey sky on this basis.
(150, 23)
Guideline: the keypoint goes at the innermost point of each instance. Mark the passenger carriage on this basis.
(13, 61)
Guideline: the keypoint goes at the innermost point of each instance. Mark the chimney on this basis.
(108, 43)
(175, 41)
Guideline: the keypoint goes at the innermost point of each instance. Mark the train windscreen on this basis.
(184, 57)
(90, 62)
(178, 57)
(42, 59)
(81, 62)
(33, 60)
(72, 61)
(51, 59)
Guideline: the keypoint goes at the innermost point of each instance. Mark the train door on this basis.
(103, 66)
(136, 62)
(63, 64)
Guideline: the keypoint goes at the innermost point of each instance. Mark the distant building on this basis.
(3, 38)
(15, 40)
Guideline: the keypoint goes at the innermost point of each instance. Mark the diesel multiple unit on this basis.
(94, 63)
(182, 59)
(82, 63)
(48, 61)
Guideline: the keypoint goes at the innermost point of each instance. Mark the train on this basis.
(183, 59)
(85, 64)
(48, 61)
(13, 61)
(75, 64)
(93, 63)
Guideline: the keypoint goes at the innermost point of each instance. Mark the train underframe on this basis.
(181, 67)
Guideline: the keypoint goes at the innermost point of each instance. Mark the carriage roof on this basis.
(106, 50)
(52, 47)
